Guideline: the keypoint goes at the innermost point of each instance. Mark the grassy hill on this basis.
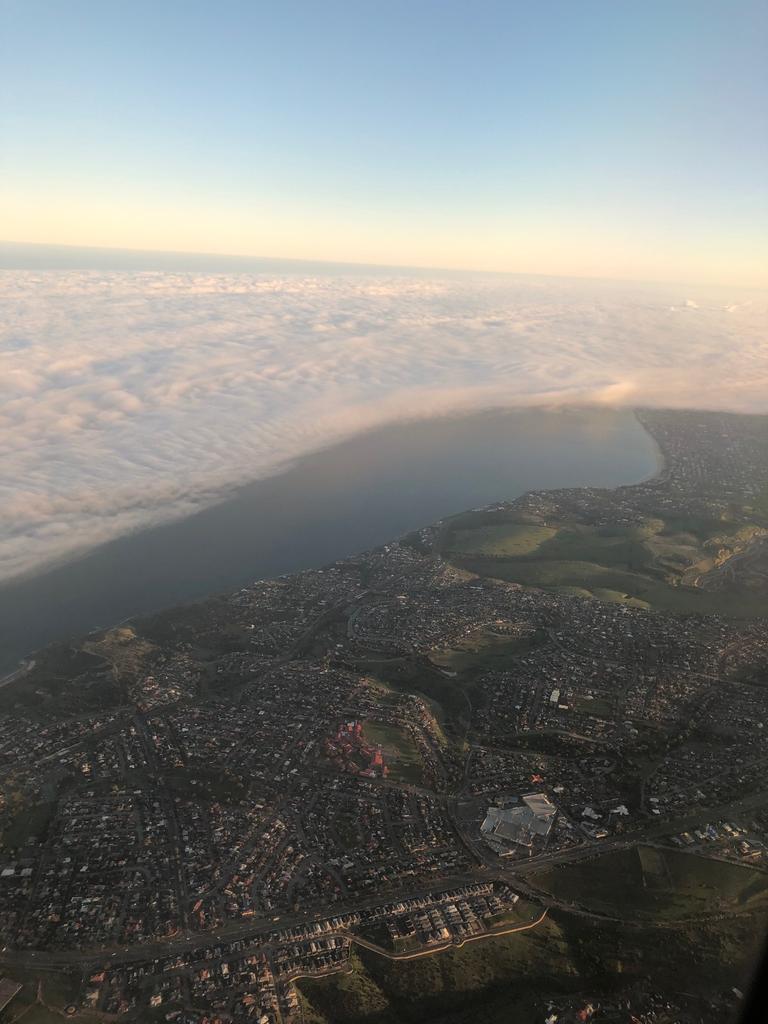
(652, 883)
(510, 979)
(662, 564)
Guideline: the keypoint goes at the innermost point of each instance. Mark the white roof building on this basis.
(520, 826)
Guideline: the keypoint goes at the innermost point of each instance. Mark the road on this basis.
(489, 867)
(490, 870)
(491, 933)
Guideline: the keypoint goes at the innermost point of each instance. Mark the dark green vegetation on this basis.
(500, 541)
(648, 882)
(63, 680)
(29, 821)
(447, 679)
(759, 505)
(43, 997)
(661, 563)
(383, 991)
(510, 978)
(446, 695)
(198, 784)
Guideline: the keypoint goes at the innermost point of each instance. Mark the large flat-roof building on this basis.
(504, 828)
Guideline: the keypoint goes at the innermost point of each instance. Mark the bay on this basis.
(330, 504)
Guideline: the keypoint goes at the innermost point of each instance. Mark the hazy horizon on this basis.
(20, 255)
(591, 140)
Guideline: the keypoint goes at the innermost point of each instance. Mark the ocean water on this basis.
(330, 504)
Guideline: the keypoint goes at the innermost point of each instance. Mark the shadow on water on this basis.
(331, 504)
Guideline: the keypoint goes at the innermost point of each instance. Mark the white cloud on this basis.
(130, 398)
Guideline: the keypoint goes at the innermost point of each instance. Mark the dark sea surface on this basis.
(328, 505)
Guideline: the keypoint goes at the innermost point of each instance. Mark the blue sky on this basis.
(556, 137)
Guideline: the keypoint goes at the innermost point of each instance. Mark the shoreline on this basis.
(662, 469)
(231, 493)
(308, 464)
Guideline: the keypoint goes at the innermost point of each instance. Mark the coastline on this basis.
(286, 465)
(662, 470)
(405, 499)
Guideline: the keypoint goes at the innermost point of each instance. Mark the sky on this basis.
(597, 138)
(560, 143)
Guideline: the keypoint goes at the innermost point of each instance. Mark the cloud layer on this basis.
(133, 398)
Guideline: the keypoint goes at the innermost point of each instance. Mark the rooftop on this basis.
(520, 825)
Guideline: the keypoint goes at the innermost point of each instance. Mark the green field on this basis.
(399, 749)
(611, 583)
(609, 545)
(649, 882)
(651, 565)
(510, 541)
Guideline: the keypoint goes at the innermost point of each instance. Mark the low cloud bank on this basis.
(133, 398)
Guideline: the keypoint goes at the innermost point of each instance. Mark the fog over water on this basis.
(336, 502)
(141, 394)
(136, 389)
